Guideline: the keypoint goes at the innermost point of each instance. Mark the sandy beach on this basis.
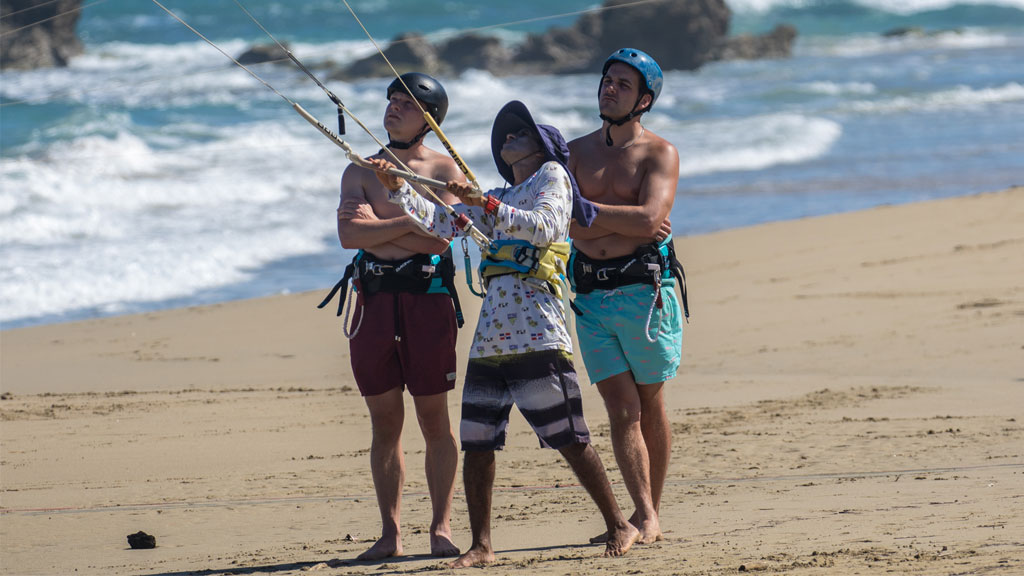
(851, 401)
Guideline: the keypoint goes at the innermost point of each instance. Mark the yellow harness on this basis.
(547, 265)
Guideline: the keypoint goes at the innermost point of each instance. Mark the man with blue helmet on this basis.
(622, 269)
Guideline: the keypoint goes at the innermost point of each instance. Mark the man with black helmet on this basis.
(630, 326)
(408, 339)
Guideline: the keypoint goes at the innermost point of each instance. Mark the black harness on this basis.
(649, 264)
(419, 274)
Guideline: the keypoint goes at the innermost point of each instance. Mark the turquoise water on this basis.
(153, 173)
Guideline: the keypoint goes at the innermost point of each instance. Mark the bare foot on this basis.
(386, 547)
(650, 532)
(621, 541)
(441, 546)
(476, 556)
(603, 537)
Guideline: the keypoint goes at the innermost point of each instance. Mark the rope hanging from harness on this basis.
(655, 303)
(468, 265)
(650, 264)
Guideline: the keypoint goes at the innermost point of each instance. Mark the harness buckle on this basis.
(378, 270)
(427, 271)
(525, 256)
(602, 274)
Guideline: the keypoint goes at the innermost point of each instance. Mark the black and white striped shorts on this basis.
(542, 384)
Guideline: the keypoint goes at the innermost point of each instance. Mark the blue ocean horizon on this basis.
(153, 174)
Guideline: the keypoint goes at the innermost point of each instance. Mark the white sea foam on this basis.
(839, 88)
(753, 143)
(960, 97)
(99, 220)
(868, 45)
(170, 75)
(116, 203)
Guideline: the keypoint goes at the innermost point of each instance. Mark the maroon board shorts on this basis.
(422, 359)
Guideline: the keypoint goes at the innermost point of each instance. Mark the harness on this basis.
(650, 264)
(546, 265)
(419, 274)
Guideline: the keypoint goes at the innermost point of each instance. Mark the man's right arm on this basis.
(358, 226)
(577, 232)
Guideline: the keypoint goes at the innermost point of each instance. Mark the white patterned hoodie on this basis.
(516, 316)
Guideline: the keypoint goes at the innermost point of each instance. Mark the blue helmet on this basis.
(644, 64)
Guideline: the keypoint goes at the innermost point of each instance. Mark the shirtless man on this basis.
(630, 174)
(408, 339)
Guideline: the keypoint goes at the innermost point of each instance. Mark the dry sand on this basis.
(851, 402)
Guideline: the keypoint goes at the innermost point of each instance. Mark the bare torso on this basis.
(362, 184)
(621, 177)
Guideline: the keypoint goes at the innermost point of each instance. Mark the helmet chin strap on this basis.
(612, 122)
(392, 143)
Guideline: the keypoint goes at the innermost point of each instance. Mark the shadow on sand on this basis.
(382, 565)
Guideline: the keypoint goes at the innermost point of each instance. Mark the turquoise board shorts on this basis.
(611, 333)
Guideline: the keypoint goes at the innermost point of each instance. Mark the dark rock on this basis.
(473, 51)
(918, 32)
(407, 53)
(38, 33)
(141, 541)
(776, 44)
(261, 53)
(904, 31)
(557, 50)
(679, 34)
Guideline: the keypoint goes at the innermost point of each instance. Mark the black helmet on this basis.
(425, 89)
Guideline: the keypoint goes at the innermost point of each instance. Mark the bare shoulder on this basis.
(443, 167)
(583, 148)
(583, 143)
(661, 151)
(352, 180)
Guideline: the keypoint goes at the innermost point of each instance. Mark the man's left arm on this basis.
(577, 232)
(654, 202)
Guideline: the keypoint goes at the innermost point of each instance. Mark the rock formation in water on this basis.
(38, 33)
(680, 34)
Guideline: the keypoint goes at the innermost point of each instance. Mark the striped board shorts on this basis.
(541, 384)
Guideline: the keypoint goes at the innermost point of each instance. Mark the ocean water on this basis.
(153, 173)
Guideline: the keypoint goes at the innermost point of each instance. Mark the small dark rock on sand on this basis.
(141, 541)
